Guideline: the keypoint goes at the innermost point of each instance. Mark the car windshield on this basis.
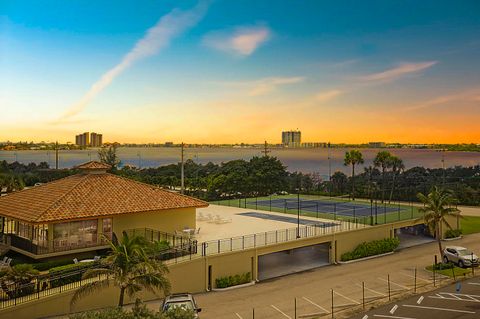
(464, 252)
(186, 304)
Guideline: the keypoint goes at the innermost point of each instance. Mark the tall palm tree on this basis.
(353, 157)
(382, 160)
(396, 163)
(437, 207)
(129, 268)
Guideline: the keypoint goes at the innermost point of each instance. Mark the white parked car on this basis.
(460, 256)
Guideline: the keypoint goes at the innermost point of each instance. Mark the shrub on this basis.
(453, 233)
(66, 274)
(224, 282)
(372, 248)
(139, 311)
(51, 264)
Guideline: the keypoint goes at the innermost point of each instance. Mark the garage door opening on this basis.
(413, 236)
(294, 260)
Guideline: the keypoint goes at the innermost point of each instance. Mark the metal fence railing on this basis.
(215, 247)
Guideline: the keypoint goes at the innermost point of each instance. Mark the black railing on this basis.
(14, 293)
(27, 245)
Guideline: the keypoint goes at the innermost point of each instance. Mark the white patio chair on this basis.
(96, 258)
(4, 261)
(9, 260)
(75, 260)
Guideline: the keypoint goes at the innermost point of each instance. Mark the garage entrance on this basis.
(294, 260)
(413, 236)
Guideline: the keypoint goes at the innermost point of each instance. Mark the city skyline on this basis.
(226, 72)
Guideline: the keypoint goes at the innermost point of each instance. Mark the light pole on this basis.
(329, 170)
(298, 213)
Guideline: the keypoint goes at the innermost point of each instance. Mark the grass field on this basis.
(459, 272)
(470, 225)
(401, 211)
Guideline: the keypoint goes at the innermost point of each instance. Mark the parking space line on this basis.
(374, 291)
(394, 283)
(283, 313)
(239, 317)
(392, 317)
(474, 283)
(440, 309)
(419, 301)
(348, 298)
(453, 296)
(318, 306)
(423, 279)
(394, 308)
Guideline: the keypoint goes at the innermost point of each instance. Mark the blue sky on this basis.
(241, 71)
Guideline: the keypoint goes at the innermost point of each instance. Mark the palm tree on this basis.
(397, 166)
(437, 207)
(129, 268)
(382, 160)
(353, 158)
(11, 183)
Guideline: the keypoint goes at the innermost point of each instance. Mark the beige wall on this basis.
(163, 220)
(192, 276)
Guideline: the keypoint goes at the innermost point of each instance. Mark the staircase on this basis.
(4, 248)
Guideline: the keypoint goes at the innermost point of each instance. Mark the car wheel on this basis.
(445, 259)
(460, 264)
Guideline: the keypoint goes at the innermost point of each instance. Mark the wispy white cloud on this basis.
(397, 72)
(472, 95)
(155, 39)
(327, 95)
(243, 41)
(263, 86)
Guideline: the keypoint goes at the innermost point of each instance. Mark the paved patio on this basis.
(241, 225)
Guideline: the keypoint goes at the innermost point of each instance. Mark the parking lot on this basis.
(460, 300)
(314, 303)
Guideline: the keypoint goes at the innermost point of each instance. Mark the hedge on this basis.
(224, 282)
(453, 233)
(372, 248)
(67, 274)
(51, 264)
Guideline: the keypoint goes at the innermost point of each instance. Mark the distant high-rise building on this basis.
(89, 139)
(96, 140)
(292, 138)
(376, 144)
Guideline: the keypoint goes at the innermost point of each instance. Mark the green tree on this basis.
(108, 155)
(127, 267)
(438, 206)
(396, 163)
(353, 157)
(339, 182)
(383, 161)
(11, 183)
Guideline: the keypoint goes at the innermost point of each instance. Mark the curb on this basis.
(248, 284)
(364, 258)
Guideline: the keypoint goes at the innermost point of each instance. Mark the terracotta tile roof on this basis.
(90, 195)
(93, 165)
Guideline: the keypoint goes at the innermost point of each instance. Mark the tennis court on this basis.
(334, 207)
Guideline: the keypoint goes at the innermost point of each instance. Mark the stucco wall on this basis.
(163, 220)
(192, 276)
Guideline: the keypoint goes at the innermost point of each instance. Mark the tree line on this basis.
(385, 180)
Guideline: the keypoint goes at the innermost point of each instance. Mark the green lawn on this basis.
(470, 225)
(459, 272)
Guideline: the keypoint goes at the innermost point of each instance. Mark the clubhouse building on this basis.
(74, 214)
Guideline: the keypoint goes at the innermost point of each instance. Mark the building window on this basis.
(75, 234)
(107, 228)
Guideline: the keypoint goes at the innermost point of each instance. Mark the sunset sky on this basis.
(240, 71)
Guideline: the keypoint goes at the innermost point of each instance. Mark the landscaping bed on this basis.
(369, 249)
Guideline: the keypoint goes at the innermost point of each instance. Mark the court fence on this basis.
(341, 208)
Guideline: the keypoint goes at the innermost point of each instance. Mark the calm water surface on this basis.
(304, 160)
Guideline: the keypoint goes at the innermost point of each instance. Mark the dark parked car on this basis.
(183, 300)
